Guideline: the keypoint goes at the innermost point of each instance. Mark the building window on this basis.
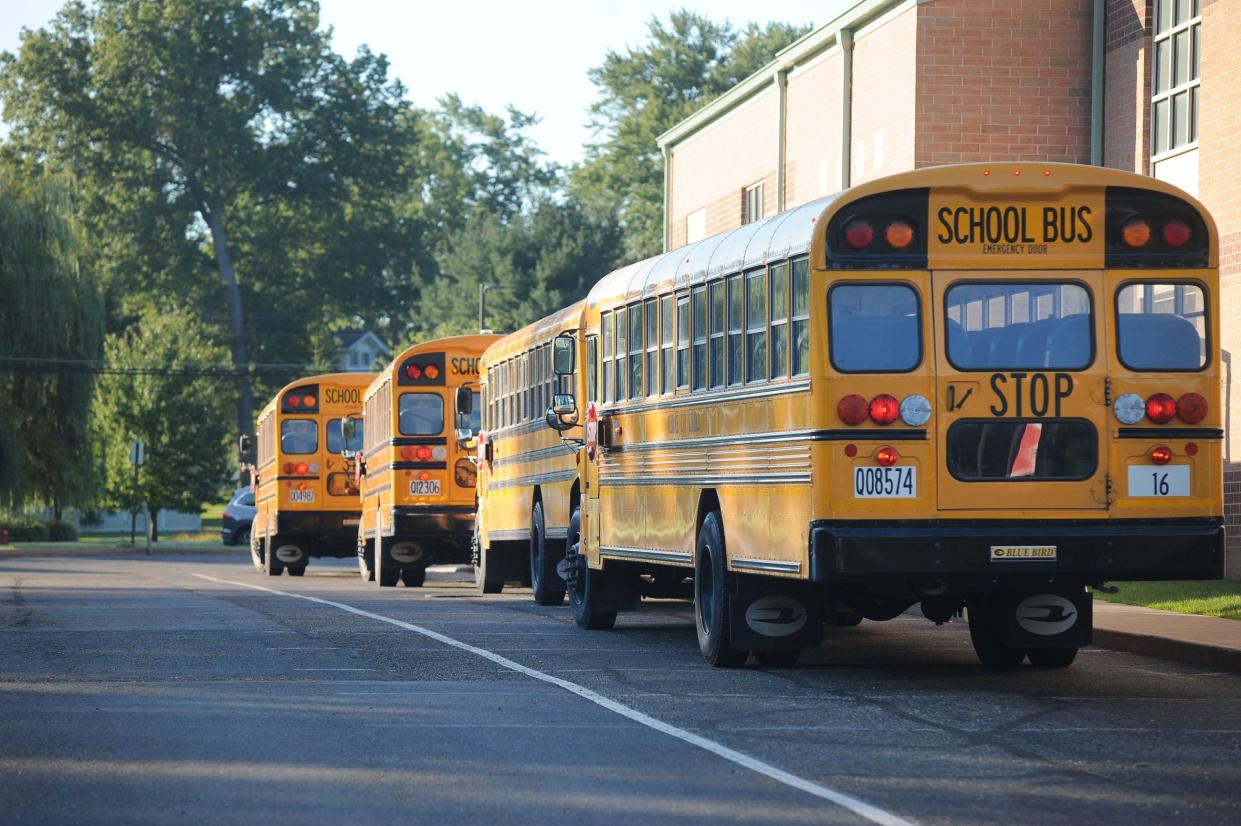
(752, 203)
(1174, 87)
(696, 225)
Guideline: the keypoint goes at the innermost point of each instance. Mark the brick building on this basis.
(1151, 86)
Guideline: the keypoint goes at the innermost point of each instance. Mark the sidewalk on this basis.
(1208, 642)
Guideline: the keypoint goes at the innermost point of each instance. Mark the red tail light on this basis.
(413, 371)
(1191, 408)
(884, 409)
(424, 476)
(301, 469)
(1161, 455)
(887, 456)
(423, 453)
(1161, 408)
(1176, 233)
(859, 234)
(295, 401)
(288, 468)
(407, 453)
(852, 409)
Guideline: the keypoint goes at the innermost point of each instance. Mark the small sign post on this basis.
(137, 457)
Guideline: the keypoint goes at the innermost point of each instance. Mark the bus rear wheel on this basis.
(1052, 657)
(271, 566)
(547, 585)
(483, 584)
(256, 551)
(987, 634)
(584, 585)
(413, 577)
(711, 595)
(366, 558)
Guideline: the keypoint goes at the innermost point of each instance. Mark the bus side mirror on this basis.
(562, 415)
(465, 401)
(564, 352)
(349, 429)
(245, 445)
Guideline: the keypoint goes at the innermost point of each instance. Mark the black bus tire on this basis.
(583, 593)
(986, 633)
(547, 585)
(413, 577)
(711, 596)
(1052, 657)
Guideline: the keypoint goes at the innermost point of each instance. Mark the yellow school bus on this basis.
(528, 476)
(984, 389)
(418, 475)
(306, 500)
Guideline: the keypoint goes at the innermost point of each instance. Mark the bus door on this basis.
(1021, 414)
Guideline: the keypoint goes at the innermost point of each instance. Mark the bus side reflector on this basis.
(852, 409)
(850, 450)
(887, 456)
(1191, 448)
(1161, 455)
(1161, 408)
(408, 453)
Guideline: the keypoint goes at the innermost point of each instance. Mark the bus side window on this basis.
(700, 337)
(717, 333)
(756, 325)
(779, 320)
(683, 340)
(622, 340)
(606, 322)
(800, 344)
(736, 320)
(652, 346)
(635, 350)
(666, 347)
(592, 368)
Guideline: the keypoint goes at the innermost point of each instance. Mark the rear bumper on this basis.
(320, 533)
(444, 533)
(960, 551)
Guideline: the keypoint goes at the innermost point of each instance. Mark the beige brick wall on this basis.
(1003, 80)
(1219, 137)
(812, 141)
(713, 167)
(884, 87)
(1126, 86)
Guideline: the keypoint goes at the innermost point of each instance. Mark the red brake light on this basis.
(1191, 408)
(295, 401)
(413, 371)
(1176, 233)
(1161, 455)
(1136, 232)
(1161, 408)
(423, 454)
(859, 234)
(884, 409)
(302, 469)
(852, 409)
(424, 476)
(887, 456)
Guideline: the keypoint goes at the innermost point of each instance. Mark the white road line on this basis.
(858, 807)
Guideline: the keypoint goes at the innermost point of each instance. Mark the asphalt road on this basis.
(139, 691)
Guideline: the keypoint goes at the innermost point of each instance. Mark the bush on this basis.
(26, 529)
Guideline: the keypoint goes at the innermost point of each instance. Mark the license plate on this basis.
(350, 522)
(424, 487)
(1159, 480)
(301, 497)
(885, 482)
(1023, 553)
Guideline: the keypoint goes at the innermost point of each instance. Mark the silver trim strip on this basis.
(768, 565)
(731, 394)
(647, 554)
(510, 535)
(556, 450)
(771, 437)
(749, 479)
(536, 479)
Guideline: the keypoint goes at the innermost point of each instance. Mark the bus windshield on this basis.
(336, 441)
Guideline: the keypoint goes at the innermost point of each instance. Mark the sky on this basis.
(533, 54)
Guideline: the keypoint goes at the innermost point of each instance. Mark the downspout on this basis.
(845, 38)
(667, 153)
(1096, 84)
(782, 83)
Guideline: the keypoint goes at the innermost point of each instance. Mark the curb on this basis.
(69, 551)
(1215, 657)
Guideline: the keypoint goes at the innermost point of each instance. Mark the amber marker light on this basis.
(1136, 232)
(1161, 455)
(432, 372)
(899, 235)
(887, 456)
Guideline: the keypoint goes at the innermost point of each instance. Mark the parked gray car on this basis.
(238, 516)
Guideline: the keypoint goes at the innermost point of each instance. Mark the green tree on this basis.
(645, 91)
(51, 320)
(204, 132)
(155, 390)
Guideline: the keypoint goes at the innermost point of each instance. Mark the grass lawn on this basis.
(1217, 598)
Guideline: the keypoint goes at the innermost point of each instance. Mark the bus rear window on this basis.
(336, 441)
(299, 436)
(990, 450)
(421, 414)
(1161, 326)
(1013, 326)
(874, 328)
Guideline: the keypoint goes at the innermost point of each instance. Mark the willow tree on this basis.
(51, 330)
(192, 117)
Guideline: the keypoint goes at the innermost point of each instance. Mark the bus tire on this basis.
(413, 577)
(271, 566)
(778, 657)
(256, 551)
(387, 576)
(586, 584)
(547, 585)
(986, 633)
(1052, 657)
(299, 570)
(366, 558)
(711, 595)
(483, 585)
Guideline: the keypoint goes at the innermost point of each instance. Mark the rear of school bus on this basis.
(418, 485)
(1022, 398)
(306, 498)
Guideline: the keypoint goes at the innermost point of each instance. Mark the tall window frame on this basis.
(756, 325)
(736, 330)
(778, 311)
(752, 203)
(682, 333)
(651, 315)
(698, 311)
(636, 348)
(667, 347)
(715, 309)
(622, 351)
(799, 339)
(609, 342)
(1175, 76)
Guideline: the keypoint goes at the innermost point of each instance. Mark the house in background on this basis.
(359, 351)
